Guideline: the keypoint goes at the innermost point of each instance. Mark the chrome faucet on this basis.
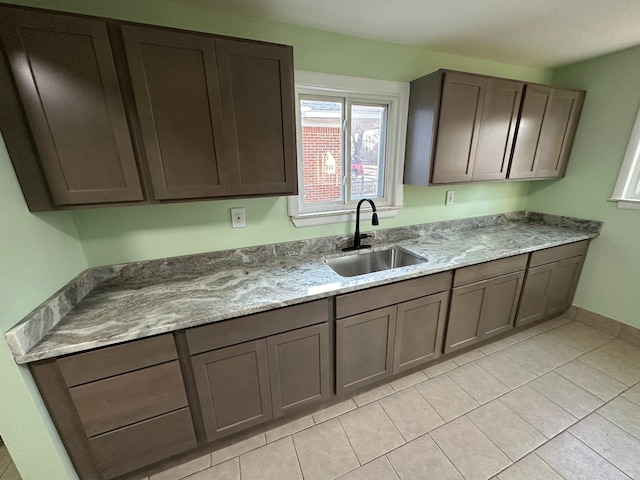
(357, 236)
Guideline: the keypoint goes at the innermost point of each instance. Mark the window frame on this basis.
(359, 90)
(627, 188)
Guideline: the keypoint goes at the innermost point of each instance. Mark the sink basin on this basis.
(369, 262)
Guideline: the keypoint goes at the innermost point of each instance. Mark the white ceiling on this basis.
(540, 33)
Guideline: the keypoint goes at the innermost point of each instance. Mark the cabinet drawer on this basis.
(110, 361)
(558, 253)
(484, 271)
(258, 325)
(144, 443)
(378, 297)
(118, 401)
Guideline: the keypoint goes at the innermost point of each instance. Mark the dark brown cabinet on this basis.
(384, 340)
(484, 301)
(64, 71)
(548, 123)
(551, 282)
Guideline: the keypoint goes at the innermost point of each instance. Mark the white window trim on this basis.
(397, 94)
(627, 189)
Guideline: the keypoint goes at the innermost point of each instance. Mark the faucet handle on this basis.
(364, 235)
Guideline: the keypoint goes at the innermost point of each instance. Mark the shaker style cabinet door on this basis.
(256, 82)
(175, 84)
(66, 78)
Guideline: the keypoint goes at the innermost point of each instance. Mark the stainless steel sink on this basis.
(368, 262)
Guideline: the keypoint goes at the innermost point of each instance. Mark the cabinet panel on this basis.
(65, 73)
(560, 252)
(175, 83)
(419, 331)
(562, 285)
(501, 304)
(364, 348)
(534, 294)
(299, 368)
(233, 388)
(463, 328)
(458, 127)
(256, 82)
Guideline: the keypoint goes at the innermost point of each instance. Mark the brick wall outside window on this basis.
(320, 183)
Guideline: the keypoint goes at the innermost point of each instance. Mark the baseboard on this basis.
(605, 324)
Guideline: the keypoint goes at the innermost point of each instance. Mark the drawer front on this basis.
(129, 398)
(258, 325)
(484, 271)
(107, 362)
(378, 297)
(554, 254)
(142, 444)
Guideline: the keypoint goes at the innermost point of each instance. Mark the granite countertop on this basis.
(110, 305)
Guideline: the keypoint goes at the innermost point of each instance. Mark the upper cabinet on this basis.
(104, 112)
(465, 127)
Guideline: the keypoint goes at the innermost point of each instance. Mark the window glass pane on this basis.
(322, 151)
(367, 162)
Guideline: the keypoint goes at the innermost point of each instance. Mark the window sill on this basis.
(627, 203)
(327, 218)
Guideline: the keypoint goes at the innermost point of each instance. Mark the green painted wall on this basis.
(608, 284)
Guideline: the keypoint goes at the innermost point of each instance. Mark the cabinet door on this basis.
(562, 285)
(364, 348)
(463, 327)
(175, 83)
(499, 309)
(233, 388)
(256, 81)
(534, 294)
(419, 331)
(458, 127)
(299, 368)
(497, 129)
(65, 74)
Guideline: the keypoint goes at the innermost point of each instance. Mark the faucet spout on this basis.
(357, 236)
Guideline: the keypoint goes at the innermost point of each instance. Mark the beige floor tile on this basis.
(276, 461)
(537, 410)
(506, 429)
(573, 460)
(623, 350)
(409, 380)
(611, 442)
(568, 395)
(289, 428)
(324, 451)
(548, 325)
(605, 324)
(591, 380)
(374, 394)
(536, 355)
(479, 459)
(379, 469)
(11, 473)
(580, 336)
(229, 470)
(468, 357)
(503, 368)
(446, 397)
(410, 413)
(531, 467)
(624, 413)
(478, 383)
(422, 459)
(439, 369)
(370, 432)
(238, 449)
(621, 370)
(633, 394)
(498, 345)
(184, 469)
(334, 411)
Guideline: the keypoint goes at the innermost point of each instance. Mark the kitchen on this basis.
(43, 251)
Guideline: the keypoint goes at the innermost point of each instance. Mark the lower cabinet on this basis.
(551, 282)
(376, 344)
(484, 301)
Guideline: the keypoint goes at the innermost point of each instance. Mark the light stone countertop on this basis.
(110, 305)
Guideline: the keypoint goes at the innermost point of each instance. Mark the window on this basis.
(627, 189)
(350, 146)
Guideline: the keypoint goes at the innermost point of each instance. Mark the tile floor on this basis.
(8, 470)
(558, 401)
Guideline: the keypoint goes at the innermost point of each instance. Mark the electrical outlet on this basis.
(449, 199)
(238, 218)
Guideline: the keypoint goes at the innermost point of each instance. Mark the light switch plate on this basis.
(238, 218)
